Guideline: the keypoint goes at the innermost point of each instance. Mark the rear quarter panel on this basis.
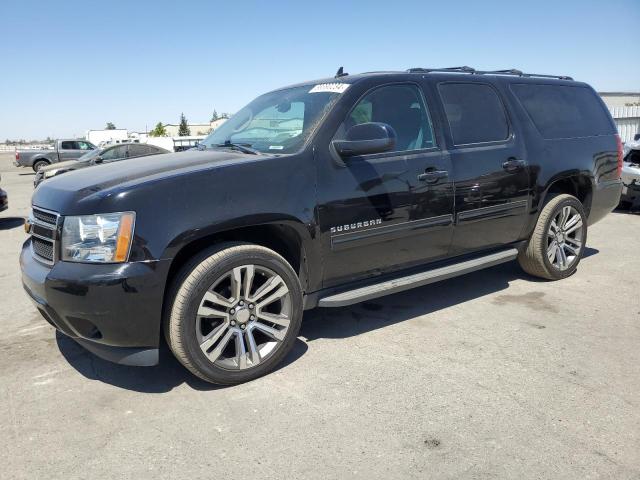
(594, 158)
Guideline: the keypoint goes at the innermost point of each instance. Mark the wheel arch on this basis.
(39, 158)
(285, 238)
(580, 185)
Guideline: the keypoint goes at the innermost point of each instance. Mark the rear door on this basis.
(489, 164)
(382, 212)
(72, 149)
(69, 149)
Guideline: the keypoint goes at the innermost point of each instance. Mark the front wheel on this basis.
(236, 312)
(558, 240)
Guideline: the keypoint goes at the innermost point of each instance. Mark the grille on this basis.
(44, 234)
(46, 217)
(42, 248)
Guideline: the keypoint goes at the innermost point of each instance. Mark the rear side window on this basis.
(139, 150)
(69, 146)
(561, 111)
(475, 113)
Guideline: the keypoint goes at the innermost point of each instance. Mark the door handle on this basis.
(513, 165)
(431, 175)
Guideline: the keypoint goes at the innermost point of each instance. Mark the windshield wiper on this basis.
(242, 147)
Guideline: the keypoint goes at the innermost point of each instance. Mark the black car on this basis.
(325, 193)
(108, 154)
(4, 200)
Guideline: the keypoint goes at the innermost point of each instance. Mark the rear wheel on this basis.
(38, 164)
(558, 240)
(236, 313)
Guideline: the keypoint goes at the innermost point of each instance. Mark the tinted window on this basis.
(400, 106)
(69, 146)
(139, 150)
(564, 111)
(114, 153)
(475, 113)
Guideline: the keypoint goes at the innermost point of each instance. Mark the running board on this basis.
(416, 280)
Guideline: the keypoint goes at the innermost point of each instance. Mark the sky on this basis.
(69, 66)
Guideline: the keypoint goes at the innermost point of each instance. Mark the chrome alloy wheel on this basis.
(564, 238)
(250, 305)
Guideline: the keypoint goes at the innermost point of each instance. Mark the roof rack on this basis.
(465, 69)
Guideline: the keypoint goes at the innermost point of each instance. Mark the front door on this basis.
(489, 167)
(383, 212)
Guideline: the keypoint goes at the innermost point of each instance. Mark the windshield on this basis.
(278, 122)
(91, 154)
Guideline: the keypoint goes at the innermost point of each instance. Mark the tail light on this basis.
(17, 155)
(620, 154)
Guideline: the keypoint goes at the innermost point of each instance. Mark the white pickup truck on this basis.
(67, 149)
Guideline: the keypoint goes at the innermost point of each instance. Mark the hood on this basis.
(101, 181)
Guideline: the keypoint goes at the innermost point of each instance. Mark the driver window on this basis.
(400, 106)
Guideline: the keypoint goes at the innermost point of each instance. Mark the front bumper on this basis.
(113, 310)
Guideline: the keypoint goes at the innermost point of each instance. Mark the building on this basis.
(625, 110)
(106, 136)
(195, 128)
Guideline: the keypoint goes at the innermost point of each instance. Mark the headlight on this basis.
(50, 173)
(102, 238)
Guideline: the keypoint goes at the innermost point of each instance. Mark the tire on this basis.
(38, 164)
(541, 258)
(204, 311)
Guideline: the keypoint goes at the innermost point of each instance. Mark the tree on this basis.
(215, 116)
(183, 130)
(110, 126)
(158, 131)
(224, 115)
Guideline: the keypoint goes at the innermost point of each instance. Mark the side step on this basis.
(416, 280)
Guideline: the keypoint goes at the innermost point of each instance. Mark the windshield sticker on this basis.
(330, 87)
(276, 147)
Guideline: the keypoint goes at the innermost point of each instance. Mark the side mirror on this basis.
(97, 160)
(366, 138)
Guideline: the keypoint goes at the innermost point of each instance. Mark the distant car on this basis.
(63, 150)
(108, 154)
(4, 201)
(631, 175)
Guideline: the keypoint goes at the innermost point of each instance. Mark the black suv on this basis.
(325, 193)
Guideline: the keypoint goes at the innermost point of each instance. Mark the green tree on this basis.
(110, 126)
(215, 116)
(183, 130)
(158, 131)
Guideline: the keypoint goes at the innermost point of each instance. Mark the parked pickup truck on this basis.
(326, 193)
(63, 150)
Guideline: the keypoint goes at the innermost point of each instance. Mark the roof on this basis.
(451, 72)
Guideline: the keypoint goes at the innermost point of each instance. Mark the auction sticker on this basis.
(330, 88)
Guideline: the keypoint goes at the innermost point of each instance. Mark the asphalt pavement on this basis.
(491, 375)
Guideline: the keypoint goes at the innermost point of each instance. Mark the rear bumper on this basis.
(606, 197)
(113, 310)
